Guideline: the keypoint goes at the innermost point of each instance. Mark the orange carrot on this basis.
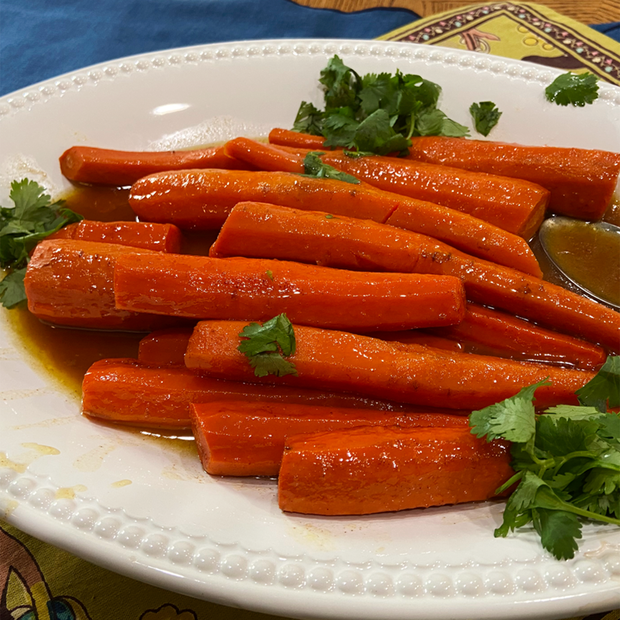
(200, 287)
(374, 469)
(125, 391)
(71, 282)
(277, 232)
(422, 337)
(164, 347)
(581, 181)
(158, 237)
(240, 438)
(86, 164)
(286, 137)
(513, 205)
(345, 362)
(202, 199)
(490, 332)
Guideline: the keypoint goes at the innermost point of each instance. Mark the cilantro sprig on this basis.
(485, 116)
(576, 89)
(314, 167)
(375, 113)
(567, 460)
(267, 345)
(32, 218)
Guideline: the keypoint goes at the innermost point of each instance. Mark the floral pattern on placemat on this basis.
(562, 42)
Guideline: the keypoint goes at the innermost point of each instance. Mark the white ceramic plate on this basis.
(146, 510)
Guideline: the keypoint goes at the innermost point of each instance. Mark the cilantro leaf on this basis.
(604, 388)
(573, 89)
(314, 167)
(12, 290)
(266, 345)
(485, 115)
(309, 119)
(32, 218)
(375, 113)
(436, 123)
(559, 532)
(567, 465)
(513, 419)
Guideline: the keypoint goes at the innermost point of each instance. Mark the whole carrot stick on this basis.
(581, 181)
(71, 282)
(241, 438)
(200, 287)
(488, 331)
(373, 469)
(126, 391)
(276, 232)
(286, 137)
(164, 347)
(202, 199)
(513, 205)
(86, 164)
(146, 235)
(345, 362)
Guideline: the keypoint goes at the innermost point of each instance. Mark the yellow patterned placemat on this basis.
(523, 31)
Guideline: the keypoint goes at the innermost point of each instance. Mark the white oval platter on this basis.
(146, 509)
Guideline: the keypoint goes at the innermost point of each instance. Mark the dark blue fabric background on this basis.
(40, 39)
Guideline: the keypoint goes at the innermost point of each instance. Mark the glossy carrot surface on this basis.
(71, 282)
(146, 235)
(211, 288)
(286, 137)
(86, 164)
(240, 438)
(347, 243)
(491, 332)
(581, 181)
(164, 347)
(345, 362)
(378, 469)
(126, 391)
(202, 199)
(513, 205)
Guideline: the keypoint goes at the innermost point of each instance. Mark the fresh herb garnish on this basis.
(375, 113)
(314, 167)
(267, 345)
(567, 461)
(573, 88)
(485, 115)
(33, 218)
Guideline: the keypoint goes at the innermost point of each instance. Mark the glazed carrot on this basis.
(344, 362)
(200, 287)
(86, 164)
(581, 181)
(71, 282)
(126, 391)
(241, 438)
(158, 237)
(422, 337)
(276, 232)
(202, 199)
(370, 470)
(286, 137)
(164, 347)
(491, 332)
(266, 156)
(511, 204)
